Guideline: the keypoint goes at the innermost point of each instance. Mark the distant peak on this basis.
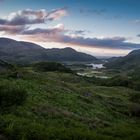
(69, 48)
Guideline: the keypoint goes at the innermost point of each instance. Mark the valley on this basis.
(69, 69)
(58, 102)
(86, 100)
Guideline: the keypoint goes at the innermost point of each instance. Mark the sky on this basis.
(98, 27)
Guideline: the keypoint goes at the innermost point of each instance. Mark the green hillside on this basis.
(63, 106)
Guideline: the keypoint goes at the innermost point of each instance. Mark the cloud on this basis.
(45, 32)
(138, 35)
(28, 17)
(19, 23)
(60, 35)
(60, 26)
(7, 29)
(137, 21)
(56, 14)
(77, 32)
(45, 35)
(115, 42)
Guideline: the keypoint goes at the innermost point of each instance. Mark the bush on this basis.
(11, 95)
(51, 66)
(135, 110)
(115, 81)
(135, 97)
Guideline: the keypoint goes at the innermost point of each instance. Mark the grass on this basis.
(63, 106)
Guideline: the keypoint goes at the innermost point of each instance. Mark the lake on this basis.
(96, 66)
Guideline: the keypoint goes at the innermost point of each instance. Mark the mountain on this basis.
(67, 54)
(16, 51)
(19, 51)
(112, 59)
(130, 61)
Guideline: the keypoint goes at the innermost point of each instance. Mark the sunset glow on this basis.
(107, 29)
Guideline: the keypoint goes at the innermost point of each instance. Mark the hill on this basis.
(26, 52)
(68, 54)
(128, 62)
(64, 106)
(5, 67)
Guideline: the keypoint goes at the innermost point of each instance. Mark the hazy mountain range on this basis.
(19, 51)
(26, 52)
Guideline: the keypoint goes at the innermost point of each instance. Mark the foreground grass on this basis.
(62, 106)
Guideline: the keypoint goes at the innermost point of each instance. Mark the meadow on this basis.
(64, 106)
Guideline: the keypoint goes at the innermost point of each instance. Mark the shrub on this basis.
(115, 81)
(11, 95)
(135, 110)
(51, 66)
(135, 97)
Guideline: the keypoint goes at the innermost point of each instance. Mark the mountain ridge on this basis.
(130, 61)
(20, 51)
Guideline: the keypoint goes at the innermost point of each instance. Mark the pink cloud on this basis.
(28, 16)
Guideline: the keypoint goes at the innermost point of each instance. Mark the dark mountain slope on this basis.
(130, 61)
(68, 54)
(19, 51)
(14, 51)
